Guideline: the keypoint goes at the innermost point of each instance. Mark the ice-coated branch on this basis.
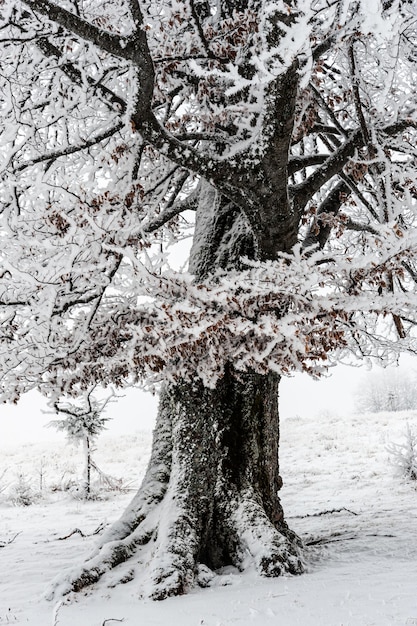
(332, 165)
(174, 206)
(136, 13)
(132, 48)
(52, 156)
(72, 298)
(114, 44)
(297, 163)
(75, 75)
(200, 30)
(321, 227)
(335, 162)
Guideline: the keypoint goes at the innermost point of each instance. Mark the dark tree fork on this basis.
(274, 145)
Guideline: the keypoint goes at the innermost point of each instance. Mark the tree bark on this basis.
(210, 497)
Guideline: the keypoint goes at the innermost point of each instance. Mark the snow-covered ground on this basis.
(362, 560)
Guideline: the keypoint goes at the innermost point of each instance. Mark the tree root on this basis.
(207, 501)
(169, 539)
(274, 551)
(175, 559)
(105, 559)
(344, 536)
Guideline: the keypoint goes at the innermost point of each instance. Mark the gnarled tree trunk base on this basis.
(209, 498)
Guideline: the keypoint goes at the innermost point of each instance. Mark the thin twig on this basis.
(338, 538)
(3, 544)
(357, 99)
(329, 512)
(77, 531)
(55, 613)
(72, 149)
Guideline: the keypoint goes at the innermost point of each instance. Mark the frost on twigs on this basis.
(292, 314)
(301, 127)
(261, 104)
(403, 455)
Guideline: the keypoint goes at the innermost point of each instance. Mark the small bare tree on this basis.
(83, 424)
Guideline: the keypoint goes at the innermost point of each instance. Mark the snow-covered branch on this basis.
(136, 113)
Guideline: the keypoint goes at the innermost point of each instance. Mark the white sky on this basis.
(136, 410)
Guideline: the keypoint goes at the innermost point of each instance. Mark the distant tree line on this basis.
(387, 391)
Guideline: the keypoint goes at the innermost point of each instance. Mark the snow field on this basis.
(362, 556)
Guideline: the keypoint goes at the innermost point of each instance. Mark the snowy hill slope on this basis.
(358, 519)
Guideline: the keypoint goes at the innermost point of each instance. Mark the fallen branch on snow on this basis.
(342, 537)
(329, 512)
(3, 544)
(77, 531)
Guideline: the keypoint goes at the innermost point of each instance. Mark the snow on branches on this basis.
(298, 313)
(299, 117)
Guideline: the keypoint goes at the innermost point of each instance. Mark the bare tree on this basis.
(83, 424)
(289, 129)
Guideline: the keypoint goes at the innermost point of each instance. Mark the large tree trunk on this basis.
(210, 496)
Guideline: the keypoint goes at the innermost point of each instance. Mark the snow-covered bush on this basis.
(65, 482)
(403, 456)
(21, 493)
